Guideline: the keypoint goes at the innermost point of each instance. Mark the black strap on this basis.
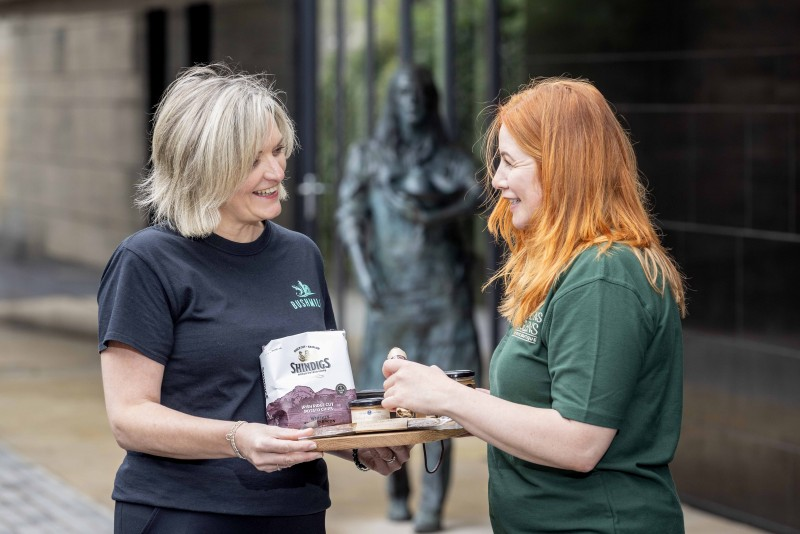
(441, 456)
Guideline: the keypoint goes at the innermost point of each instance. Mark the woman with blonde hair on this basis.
(185, 306)
(585, 408)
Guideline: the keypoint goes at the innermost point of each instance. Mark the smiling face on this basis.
(259, 196)
(517, 179)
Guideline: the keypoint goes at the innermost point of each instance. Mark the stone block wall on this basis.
(72, 119)
(74, 112)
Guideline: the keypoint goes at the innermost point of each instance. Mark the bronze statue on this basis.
(406, 202)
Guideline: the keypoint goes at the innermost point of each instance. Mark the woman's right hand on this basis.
(272, 448)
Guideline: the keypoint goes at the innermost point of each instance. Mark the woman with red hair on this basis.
(585, 408)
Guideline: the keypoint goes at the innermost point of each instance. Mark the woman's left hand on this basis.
(384, 460)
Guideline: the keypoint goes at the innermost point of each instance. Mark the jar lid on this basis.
(369, 393)
(460, 373)
(365, 403)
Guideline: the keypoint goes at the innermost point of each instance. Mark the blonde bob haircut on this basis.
(208, 129)
(591, 193)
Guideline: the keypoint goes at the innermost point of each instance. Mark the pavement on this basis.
(58, 458)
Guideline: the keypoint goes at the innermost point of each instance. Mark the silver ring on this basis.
(392, 459)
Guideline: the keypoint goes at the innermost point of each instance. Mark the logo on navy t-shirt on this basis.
(302, 289)
(304, 294)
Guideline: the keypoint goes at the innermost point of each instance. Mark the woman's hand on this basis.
(420, 388)
(384, 460)
(271, 448)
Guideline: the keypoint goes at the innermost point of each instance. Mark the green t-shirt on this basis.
(604, 349)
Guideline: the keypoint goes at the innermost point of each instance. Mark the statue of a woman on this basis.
(406, 202)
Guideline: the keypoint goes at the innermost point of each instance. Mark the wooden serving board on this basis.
(386, 439)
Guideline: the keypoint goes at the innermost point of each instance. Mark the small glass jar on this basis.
(368, 409)
(463, 376)
(369, 394)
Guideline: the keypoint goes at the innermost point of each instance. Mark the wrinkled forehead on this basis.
(274, 125)
(506, 143)
(504, 138)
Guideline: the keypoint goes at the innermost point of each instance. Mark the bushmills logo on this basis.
(302, 290)
(304, 293)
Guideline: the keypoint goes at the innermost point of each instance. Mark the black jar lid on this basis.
(460, 373)
(369, 394)
(366, 403)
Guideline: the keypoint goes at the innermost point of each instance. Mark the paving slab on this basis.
(33, 500)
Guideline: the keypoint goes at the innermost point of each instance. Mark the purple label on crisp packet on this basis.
(302, 405)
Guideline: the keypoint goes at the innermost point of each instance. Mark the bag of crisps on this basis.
(308, 380)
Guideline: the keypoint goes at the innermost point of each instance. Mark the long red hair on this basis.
(591, 193)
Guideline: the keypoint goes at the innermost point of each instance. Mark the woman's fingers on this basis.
(276, 461)
(288, 433)
(384, 460)
(402, 453)
(285, 440)
(390, 367)
(272, 448)
(412, 385)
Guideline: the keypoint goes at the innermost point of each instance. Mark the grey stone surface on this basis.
(32, 500)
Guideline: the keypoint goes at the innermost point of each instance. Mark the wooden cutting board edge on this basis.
(386, 439)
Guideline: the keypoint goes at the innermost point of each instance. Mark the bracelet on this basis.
(231, 437)
(358, 463)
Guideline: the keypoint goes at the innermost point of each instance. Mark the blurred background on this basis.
(710, 91)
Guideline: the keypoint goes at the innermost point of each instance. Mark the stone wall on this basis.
(71, 143)
(74, 112)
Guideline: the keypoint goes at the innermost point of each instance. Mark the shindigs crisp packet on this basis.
(308, 380)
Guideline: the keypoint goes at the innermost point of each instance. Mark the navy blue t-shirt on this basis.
(204, 308)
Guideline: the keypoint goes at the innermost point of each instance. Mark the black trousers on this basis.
(132, 518)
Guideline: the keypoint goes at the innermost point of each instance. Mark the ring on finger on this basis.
(392, 459)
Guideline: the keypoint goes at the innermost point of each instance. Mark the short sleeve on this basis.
(597, 341)
(133, 307)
